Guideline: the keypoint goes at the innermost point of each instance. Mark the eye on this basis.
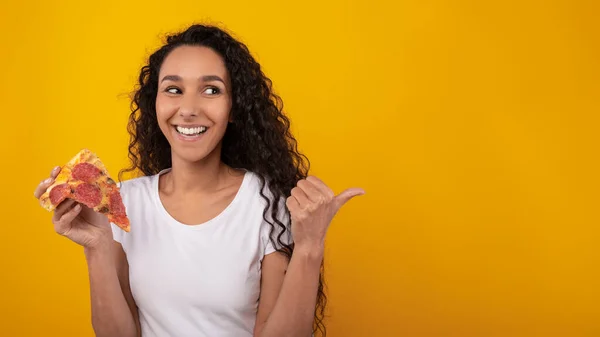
(173, 90)
(212, 91)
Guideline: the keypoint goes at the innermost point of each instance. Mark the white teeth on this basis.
(191, 131)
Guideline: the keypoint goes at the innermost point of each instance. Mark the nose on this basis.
(189, 107)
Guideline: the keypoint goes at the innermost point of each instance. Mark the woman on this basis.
(223, 193)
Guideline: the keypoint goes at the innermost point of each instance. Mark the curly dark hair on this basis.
(258, 139)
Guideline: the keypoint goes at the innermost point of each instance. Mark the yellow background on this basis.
(472, 126)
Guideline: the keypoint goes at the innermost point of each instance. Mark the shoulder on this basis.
(138, 191)
(261, 188)
(275, 218)
(138, 199)
(136, 184)
(258, 194)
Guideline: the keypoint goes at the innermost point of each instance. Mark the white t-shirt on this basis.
(201, 280)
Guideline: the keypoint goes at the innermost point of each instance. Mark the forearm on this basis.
(293, 313)
(111, 315)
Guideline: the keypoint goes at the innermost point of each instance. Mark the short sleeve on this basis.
(267, 234)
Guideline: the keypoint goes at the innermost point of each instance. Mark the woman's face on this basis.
(193, 102)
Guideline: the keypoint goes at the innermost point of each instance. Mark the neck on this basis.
(200, 177)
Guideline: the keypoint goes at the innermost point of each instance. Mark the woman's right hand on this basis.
(76, 221)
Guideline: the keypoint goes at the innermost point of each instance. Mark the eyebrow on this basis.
(206, 78)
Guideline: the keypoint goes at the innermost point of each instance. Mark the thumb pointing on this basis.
(346, 195)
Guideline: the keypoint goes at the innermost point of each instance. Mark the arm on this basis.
(114, 312)
(312, 206)
(113, 309)
(288, 299)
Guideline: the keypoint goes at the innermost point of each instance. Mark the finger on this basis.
(292, 204)
(345, 196)
(300, 196)
(321, 186)
(63, 225)
(63, 208)
(42, 187)
(311, 191)
(55, 172)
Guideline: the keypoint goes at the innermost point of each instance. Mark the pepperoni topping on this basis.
(86, 172)
(88, 195)
(59, 193)
(116, 203)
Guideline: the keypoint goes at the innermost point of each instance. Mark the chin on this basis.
(191, 155)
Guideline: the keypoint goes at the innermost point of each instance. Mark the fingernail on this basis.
(77, 207)
(48, 181)
(56, 169)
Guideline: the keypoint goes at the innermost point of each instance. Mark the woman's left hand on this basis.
(312, 206)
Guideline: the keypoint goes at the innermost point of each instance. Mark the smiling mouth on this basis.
(190, 131)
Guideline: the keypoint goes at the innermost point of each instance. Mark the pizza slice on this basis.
(85, 180)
